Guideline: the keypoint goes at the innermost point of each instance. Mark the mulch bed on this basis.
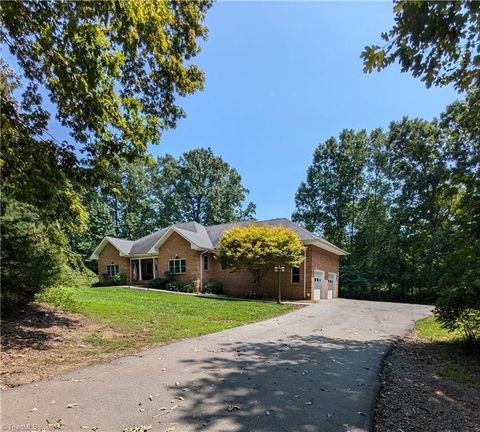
(415, 397)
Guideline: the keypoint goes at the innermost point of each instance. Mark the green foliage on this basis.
(258, 248)
(158, 283)
(113, 69)
(36, 169)
(180, 287)
(154, 194)
(458, 309)
(59, 297)
(117, 280)
(76, 275)
(405, 203)
(328, 200)
(200, 187)
(434, 40)
(100, 224)
(213, 287)
(31, 254)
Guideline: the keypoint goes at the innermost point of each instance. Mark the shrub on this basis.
(457, 309)
(59, 297)
(213, 287)
(118, 279)
(77, 276)
(158, 283)
(180, 286)
(31, 254)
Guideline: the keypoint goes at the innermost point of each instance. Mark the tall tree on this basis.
(200, 186)
(328, 201)
(374, 243)
(435, 40)
(459, 303)
(136, 201)
(101, 223)
(418, 152)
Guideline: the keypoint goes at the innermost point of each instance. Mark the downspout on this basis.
(305, 272)
(201, 270)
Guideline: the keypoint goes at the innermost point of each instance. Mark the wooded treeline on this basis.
(153, 194)
(405, 204)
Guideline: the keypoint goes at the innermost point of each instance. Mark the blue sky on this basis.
(281, 77)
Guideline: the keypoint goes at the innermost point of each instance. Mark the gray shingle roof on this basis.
(144, 244)
(207, 237)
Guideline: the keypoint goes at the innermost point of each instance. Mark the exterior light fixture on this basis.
(279, 269)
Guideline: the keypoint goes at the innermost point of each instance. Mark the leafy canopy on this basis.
(258, 248)
(200, 186)
(112, 68)
(437, 41)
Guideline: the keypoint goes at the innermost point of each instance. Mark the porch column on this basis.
(140, 269)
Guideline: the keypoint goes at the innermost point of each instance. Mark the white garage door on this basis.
(332, 279)
(318, 277)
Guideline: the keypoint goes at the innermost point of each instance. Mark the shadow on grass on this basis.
(455, 359)
(27, 328)
(299, 383)
(434, 385)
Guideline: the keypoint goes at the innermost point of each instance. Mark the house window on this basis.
(223, 266)
(112, 269)
(295, 274)
(205, 262)
(256, 277)
(177, 265)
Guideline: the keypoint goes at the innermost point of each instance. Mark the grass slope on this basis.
(454, 363)
(142, 318)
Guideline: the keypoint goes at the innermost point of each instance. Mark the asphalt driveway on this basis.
(314, 369)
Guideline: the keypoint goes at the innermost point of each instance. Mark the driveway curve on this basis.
(315, 369)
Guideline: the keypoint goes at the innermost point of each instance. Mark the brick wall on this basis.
(240, 282)
(320, 259)
(175, 246)
(108, 255)
(235, 282)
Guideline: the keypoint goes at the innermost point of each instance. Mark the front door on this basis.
(332, 279)
(147, 269)
(318, 277)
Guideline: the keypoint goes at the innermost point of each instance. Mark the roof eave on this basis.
(171, 229)
(330, 248)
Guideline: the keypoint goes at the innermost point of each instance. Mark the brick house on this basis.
(188, 250)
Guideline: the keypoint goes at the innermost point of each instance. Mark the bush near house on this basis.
(213, 287)
(180, 287)
(117, 280)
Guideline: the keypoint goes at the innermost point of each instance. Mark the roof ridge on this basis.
(246, 221)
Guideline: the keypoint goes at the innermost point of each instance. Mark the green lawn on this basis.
(142, 318)
(454, 363)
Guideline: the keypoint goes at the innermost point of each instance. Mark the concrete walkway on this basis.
(314, 369)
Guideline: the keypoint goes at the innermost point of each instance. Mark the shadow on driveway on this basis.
(300, 383)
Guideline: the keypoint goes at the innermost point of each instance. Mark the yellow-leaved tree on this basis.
(258, 248)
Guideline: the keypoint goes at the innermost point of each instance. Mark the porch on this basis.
(143, 270)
